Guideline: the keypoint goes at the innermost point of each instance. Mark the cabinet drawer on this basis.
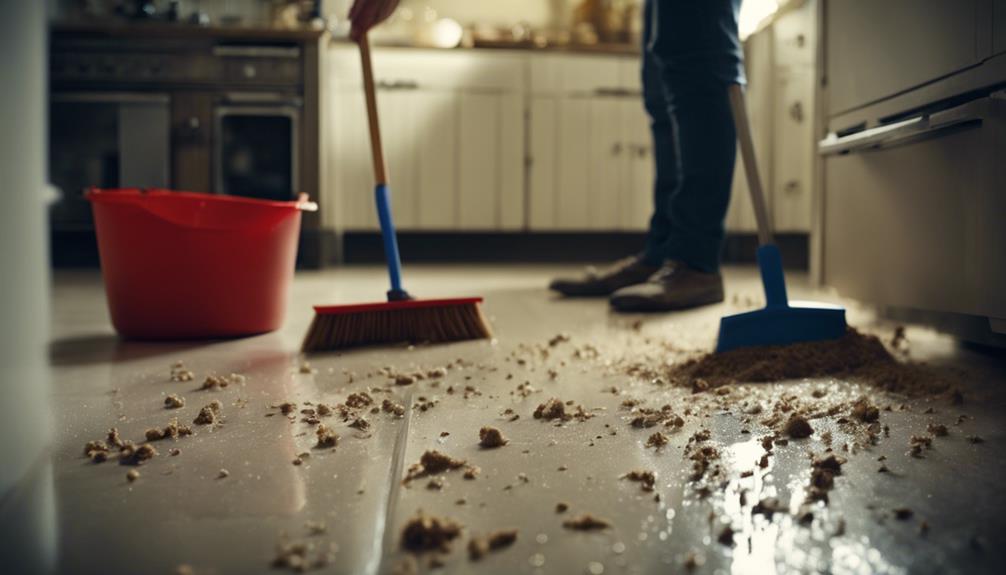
(919, 224)
(408, 68)
(575, 75)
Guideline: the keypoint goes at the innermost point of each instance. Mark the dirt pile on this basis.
(854, 356)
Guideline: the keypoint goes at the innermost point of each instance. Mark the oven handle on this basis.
(110, 98)
(913, 129)
(261, 99)
(256, 52)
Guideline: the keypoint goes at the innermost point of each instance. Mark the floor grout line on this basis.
(383, 536)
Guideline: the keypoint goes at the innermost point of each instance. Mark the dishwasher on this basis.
(913, 213)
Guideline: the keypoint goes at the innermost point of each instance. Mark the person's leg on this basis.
(707, 152)
(700, 56)
(637, 269)
(665, 156)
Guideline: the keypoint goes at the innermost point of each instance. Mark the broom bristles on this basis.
(434, 324)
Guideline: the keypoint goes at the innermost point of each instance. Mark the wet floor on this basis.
(181, 512)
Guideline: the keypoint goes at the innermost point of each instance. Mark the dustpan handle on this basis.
(739, 108)
(769, 258)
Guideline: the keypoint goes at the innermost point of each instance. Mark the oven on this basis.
(255, 149)
(107, 139)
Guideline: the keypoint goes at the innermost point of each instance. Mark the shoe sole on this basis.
(634, 304)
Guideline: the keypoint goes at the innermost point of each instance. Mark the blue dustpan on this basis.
(779, 323)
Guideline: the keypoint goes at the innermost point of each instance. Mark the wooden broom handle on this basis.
(376, 150)
(743, 128)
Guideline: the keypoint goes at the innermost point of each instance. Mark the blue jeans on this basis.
(691, 54)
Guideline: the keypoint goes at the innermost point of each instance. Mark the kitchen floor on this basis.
(748, 511)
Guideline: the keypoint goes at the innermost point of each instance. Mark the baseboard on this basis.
(975, 330)
(318, 248)
(541, 247)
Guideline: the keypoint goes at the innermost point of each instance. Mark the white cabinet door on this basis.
(349, 202)
(606, 167)
(453, 130)
(478, 161)
(398, 134)
(572, 162)
(436, 151)
(543, 142)
(793, 152)
(639, 170)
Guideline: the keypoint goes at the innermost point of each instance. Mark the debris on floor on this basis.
(479, 547)
(490, 437)
(424, 533)
(432, 462)
(586, 522)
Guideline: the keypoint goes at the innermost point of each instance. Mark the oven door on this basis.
(256, 147)
(105, 139)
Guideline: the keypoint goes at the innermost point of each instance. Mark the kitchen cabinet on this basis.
(590, 164)
(544, 142)
(453, 131)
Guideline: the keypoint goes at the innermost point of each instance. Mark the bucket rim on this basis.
(137, 195)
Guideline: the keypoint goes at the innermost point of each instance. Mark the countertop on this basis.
(160, 30)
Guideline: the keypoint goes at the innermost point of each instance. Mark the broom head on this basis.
(413, 321)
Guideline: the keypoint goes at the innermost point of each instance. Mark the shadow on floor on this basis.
(91, 349)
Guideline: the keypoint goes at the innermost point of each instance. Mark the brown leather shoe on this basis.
(594, 283)
(675, 286)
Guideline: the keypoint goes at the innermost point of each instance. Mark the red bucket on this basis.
(182, 265)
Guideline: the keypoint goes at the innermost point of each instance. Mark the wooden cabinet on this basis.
(453, 131)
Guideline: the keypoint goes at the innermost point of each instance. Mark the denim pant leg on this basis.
(665, 158)
(707, 147)
(695, 48)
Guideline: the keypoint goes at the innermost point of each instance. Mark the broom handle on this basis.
(376, 149)
(381, 194)
(743, 127)
(769, 258)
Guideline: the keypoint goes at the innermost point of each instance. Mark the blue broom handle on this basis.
(381, 193)
(383, 200)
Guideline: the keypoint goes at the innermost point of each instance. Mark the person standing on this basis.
(691, 55)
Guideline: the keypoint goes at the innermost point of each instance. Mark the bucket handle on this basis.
(305, 204)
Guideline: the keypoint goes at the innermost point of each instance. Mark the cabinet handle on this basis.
(796, 112)
(792, 187)
(397, 85)
(616, 92)
(616, 149)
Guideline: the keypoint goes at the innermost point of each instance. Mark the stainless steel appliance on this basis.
(204, 109)
(912, 171)
(255, 152)
(106, 139)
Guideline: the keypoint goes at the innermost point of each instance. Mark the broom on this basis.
(401, 318)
